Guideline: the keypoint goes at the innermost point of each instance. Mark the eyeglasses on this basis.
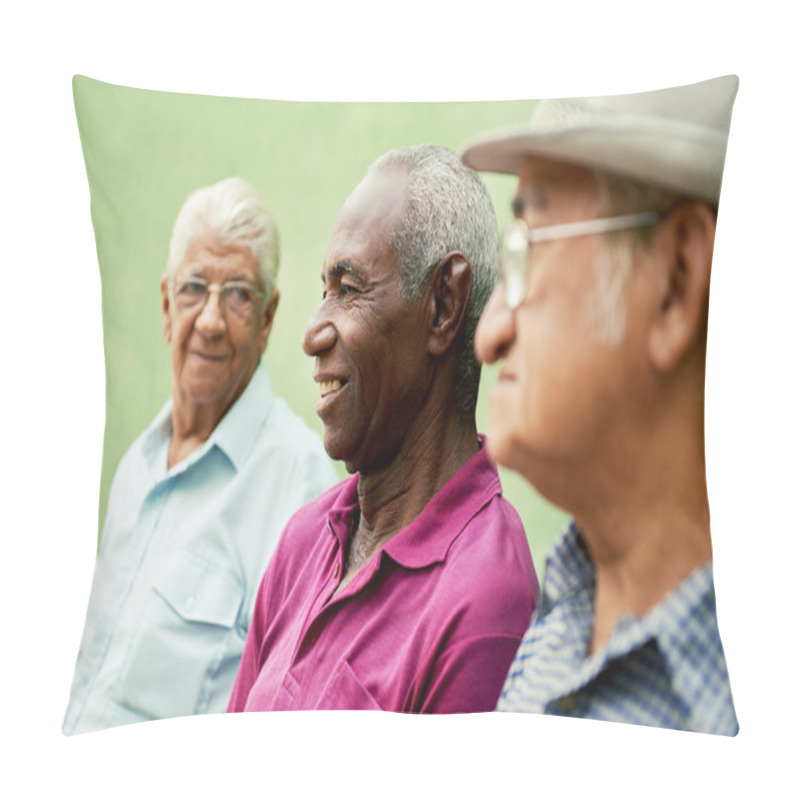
(238, 297)
(517, 238)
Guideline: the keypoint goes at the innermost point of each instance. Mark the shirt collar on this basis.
(236, 432)
(234, 435)
(428, 538)
(681, 619)
(568, 570)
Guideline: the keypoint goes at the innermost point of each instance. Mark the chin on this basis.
(507, 449)
(498, 445)
(336, 450)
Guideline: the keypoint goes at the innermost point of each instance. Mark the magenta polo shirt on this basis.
(430, 624)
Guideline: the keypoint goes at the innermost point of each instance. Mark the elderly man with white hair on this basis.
(599, 324)
(200, 498)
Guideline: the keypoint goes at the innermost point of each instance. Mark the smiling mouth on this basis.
(328, 387)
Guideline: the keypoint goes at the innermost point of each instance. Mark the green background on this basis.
(146, 151)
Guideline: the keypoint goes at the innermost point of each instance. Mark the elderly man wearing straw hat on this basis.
(599, 322)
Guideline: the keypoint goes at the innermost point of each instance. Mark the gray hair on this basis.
(618, 194)
(232, 211)
(447, 207)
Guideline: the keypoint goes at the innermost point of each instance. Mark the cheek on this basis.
(246, 341)
(603, 312)
(528, 411)
(179, 332)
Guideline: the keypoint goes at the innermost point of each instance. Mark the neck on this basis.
(645, 520)
(392, 497)
(641, 552)
(192, 424)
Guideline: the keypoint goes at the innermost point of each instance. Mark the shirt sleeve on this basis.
(469, 675)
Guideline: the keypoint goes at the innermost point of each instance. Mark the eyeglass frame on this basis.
(219, 288)
(515, 289)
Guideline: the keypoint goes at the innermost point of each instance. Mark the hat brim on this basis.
(688, 164)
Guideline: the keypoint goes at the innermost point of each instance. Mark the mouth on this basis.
(329, 387)
(208, 356)
(330, 390)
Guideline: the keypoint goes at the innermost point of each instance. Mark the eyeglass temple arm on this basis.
(591, 226)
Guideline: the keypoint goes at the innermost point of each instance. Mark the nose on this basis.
(496, 328)
(320, 334)
(211, 321)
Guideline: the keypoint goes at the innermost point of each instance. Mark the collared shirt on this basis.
(429, 624)
(181, 556)
(666, 668)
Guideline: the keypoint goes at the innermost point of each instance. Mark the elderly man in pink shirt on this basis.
(407, 587)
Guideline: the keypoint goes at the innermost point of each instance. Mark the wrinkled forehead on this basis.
(209, 257)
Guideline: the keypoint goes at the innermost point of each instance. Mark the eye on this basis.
(239, 298)
(192, 288)
(341, 290)
(239, 293)
(190, 292)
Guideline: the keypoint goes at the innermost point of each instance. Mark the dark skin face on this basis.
(386, 367)
(370, 344)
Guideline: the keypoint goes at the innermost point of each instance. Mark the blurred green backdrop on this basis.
(146, 151)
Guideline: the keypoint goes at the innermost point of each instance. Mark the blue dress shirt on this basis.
(181, 557)
(666, 668)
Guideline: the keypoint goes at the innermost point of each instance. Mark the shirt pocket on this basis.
(346, 691)
(185, 630)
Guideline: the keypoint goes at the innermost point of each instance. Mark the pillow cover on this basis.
(146, 151)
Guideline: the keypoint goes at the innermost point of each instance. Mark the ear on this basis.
(165, 315)
(451, 286)
(266, 319)
(684, 256)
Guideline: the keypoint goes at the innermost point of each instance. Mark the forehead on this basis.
(366, 220)
(208, 256)
(545, 184)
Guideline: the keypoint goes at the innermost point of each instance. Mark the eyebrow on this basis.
(342, 268)
(198, 272)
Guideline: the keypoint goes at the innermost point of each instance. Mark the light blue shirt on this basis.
(666, 668)
(181, 557)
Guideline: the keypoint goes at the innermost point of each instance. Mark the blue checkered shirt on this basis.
(665, 669)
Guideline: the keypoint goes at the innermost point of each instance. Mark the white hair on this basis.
(617, 194)
(447, 207)
(232, 211)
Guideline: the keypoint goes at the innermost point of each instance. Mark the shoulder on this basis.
(285, 433)
(494, 535)
(305, 524)
(303, 536)
(134, 466)
(489, 565)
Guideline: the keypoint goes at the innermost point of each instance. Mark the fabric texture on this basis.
(180, 559)
(430, 624)
(665, 669)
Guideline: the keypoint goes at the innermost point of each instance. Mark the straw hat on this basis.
(674, 138)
